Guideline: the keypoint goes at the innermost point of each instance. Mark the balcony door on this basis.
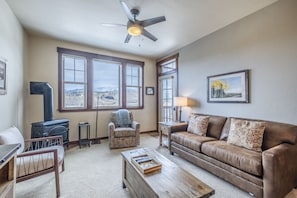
(167, 88)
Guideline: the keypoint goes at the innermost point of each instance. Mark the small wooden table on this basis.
(164, 130)
(8, 170)
(170, 181)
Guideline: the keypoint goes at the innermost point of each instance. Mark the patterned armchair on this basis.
(123, 131)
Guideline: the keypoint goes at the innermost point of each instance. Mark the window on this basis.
(74, 85)
(168, 65)
(106, 84)
(89, 81)
(133, 85)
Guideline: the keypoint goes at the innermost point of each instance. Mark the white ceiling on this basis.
(80, 21)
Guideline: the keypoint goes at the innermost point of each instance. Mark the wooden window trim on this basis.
(160, 63)
(90, 56)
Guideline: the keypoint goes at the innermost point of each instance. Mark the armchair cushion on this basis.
(124, 132)
(12, 136)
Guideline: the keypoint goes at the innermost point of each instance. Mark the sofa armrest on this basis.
(177, 128)
(173, 129)
(279, 170)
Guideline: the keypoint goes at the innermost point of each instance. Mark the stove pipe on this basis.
(46, 90)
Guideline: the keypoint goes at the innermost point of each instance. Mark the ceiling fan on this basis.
(136, 27)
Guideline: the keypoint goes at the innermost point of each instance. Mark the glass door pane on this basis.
(167, 90)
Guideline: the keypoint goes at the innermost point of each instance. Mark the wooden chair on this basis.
(36, 156)
(123, 134)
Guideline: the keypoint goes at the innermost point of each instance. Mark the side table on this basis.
(86, 140)
(8, 169)
(164, 130)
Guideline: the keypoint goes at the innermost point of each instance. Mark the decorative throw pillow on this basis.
(198, 124)
(192, 123)
(12, 135)
(247, 134)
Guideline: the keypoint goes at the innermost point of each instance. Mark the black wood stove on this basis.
(50, 126)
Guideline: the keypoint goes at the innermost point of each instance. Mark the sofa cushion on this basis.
(238, 157)
(12, 135)
(190, 140)
(215, 125)
(226, 129)
(198, 124)
(247, 134)
(275, 133)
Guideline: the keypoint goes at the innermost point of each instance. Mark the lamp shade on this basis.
(180, 101)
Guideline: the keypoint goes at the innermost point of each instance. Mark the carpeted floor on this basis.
(96, 172)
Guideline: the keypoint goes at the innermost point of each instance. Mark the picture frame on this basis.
(149, 91)
(3, 76)
(230, 87)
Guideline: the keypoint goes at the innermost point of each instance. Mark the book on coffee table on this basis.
(146, 164)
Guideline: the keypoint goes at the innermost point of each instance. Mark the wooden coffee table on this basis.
(170, 181)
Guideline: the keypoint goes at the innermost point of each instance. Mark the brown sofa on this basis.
(271, 173)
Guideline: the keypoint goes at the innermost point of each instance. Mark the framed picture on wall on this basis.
(229, 87)
(149, 91)
(2, 76)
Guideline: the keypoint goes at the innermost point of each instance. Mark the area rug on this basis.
(96, 172)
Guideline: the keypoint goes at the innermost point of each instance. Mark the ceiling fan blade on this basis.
(113, 25)
(127, 11)
(149, 35)
(127, 39)
(152, 21)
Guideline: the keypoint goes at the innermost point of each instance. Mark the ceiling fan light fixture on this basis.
(135, 29)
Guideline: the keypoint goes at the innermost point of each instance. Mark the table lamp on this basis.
(180, 102)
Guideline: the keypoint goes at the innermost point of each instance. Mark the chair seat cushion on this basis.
(124, 132)
(34, 163)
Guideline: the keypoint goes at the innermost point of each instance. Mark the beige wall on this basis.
(266, 44)
(13, 49)
(43, 63)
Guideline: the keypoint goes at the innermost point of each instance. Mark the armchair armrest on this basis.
(36, 152)
(43, 142)
(280, 170)
(136, 125)
(111, 127)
